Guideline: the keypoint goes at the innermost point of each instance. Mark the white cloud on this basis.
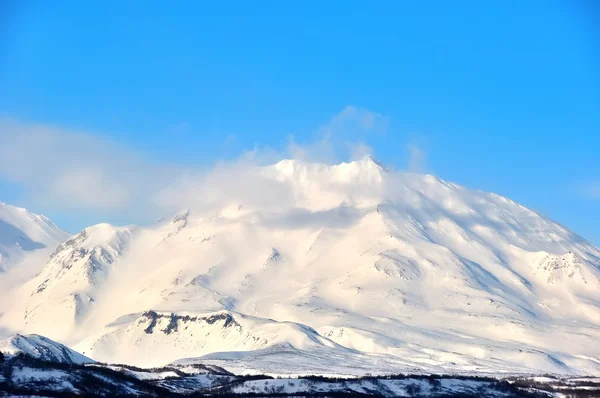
(72, 169)
(417, 159)
(354, 121)
(78, 171)
(88, 187)
(321, 150)
(359, 150)
(226, 184)
(341, 137)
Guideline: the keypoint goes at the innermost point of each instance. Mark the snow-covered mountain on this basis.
(65, 289)
(23, 233)
(356, 269)
(41, 347)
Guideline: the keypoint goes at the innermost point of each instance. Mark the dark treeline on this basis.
(97, 380)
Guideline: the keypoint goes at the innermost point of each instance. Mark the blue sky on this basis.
(499, 96)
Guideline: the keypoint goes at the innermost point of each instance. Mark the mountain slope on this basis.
(41, 347)
(23, 233)
(63, 292)
(151, 338)
(380, 266)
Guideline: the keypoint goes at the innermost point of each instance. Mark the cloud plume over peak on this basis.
(61, 169)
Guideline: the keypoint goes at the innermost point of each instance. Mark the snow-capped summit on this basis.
(318, 186)
(366, 169)
(23, 233)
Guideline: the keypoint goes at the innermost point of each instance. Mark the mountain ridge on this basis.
(394, 268)
(22, 233)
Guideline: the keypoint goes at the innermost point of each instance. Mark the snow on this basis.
(57, 380)
(407, 387)
(194, 383)
(146, 375)
(357, 269)
(155, 338)
(64, 290)
(42, 348)
(22, 232)
(23, 375)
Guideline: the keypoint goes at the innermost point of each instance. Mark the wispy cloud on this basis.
(70, 169)
(590, 189)
(343, 136)
(359, 150)
(417, 158)
(353, 121)
(79, 171)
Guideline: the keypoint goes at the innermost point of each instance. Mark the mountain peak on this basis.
(370, 161)
(22, 233)
(365, 166)
(364, 169)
